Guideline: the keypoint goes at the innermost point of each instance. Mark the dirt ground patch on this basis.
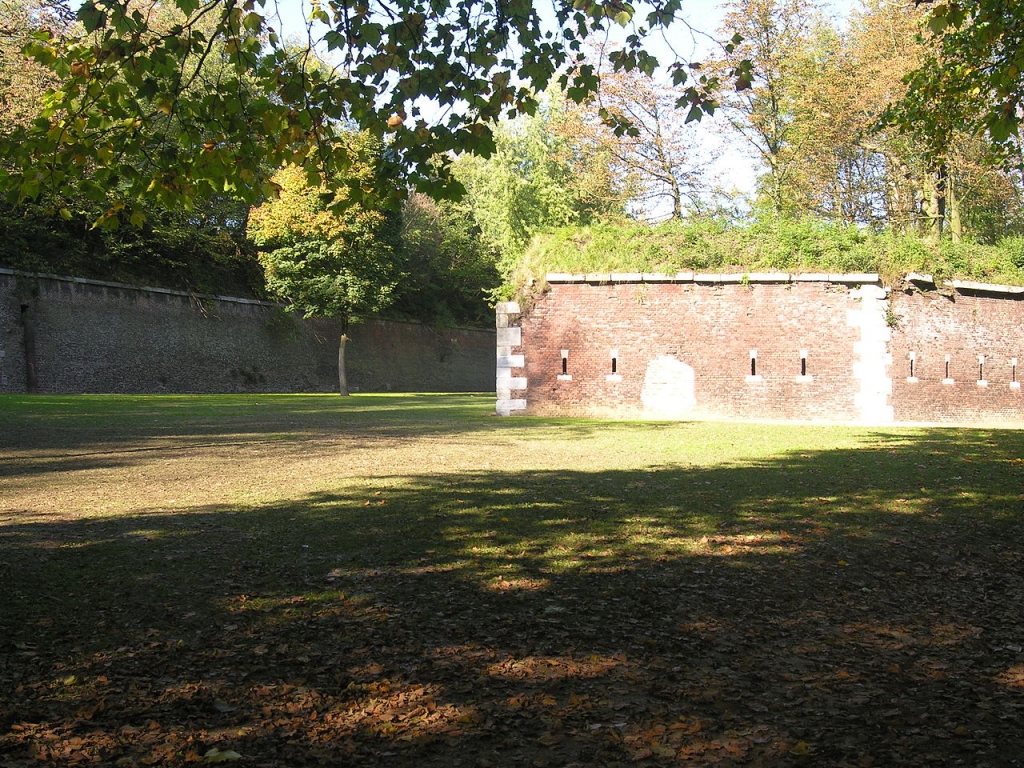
(409, 581)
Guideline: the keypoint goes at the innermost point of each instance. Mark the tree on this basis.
(451, 271)
(126, 80)
(778, 39)
(203, 250)
(23, 82)
(539, 177)
(815, 116)
(656, 163)
(886, 177)
(973, 77)
(326, 257)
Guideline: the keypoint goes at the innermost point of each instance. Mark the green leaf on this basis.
(92, 18)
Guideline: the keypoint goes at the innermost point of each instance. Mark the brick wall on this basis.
(806, 348)
(92, 336)
(958, 325)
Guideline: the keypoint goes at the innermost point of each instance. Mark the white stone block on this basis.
(510, 337)
(869, 349)
(511, 361)
(507, 308)
(506, 387)
(506, 407)
(876, 333)
(856, 277)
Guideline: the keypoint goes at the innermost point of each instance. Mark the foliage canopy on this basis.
(325, 263)
(182, 100)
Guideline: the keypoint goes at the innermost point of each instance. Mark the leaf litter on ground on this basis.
(551, 593)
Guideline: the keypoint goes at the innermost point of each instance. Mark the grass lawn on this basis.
(383, 580)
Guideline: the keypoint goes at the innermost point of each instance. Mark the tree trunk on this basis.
(342, 378)
(931, 207)
(956, 226)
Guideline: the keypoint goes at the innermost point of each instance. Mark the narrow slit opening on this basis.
(753, 366)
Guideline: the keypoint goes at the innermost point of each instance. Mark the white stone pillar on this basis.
(509, 336)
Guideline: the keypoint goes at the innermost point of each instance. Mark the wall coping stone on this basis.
(605, 278)
(970, 285)
(710, 277)
(142, 288)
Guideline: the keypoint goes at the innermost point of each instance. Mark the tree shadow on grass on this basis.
(841, 608)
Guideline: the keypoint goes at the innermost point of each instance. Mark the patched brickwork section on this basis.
(103, 337)
(963, 347)
(773, 350)
(830, 348)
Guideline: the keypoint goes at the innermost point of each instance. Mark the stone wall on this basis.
(92, 336)
(771, 346)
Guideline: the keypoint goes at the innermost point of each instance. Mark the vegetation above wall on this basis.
(204, 253)
(800, 245)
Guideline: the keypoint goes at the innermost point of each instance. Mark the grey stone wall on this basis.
(92, 336)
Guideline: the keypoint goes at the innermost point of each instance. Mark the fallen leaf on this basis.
(221, 756)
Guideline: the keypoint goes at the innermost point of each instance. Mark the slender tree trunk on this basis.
(342, 378)
(956, 226)
(931, 206)
(941, 189)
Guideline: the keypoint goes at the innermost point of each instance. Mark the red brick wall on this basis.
(713, 328)
(962, 325)
(709, 327)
